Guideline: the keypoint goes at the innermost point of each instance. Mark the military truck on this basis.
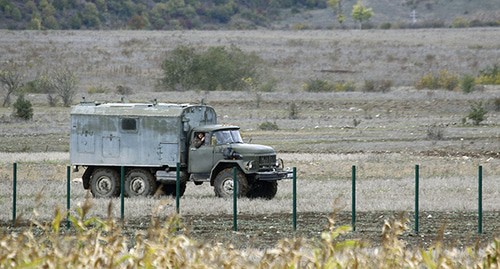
(150, 139)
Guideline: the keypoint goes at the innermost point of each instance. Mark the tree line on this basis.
(140, 14)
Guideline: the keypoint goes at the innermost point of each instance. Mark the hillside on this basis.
(240, 14)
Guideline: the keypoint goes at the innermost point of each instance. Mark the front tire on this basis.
(105, 183)
(139, 183)
(223, 185)
(263, 190)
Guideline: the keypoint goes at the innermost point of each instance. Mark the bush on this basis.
(443, 80)
(447, 80)
(293, 111)
(377, 86)
(385, 25)
(428, 81)
(467, 83)
(124, 90)
(269, 126)
(435, 132)
(460, 23)
(23, 108)
(477, 113)
(318, 85)
(97, 89)
(490, 75)
(347, 86)
(217, 68)
(496, 104)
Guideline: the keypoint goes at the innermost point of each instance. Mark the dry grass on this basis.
(384, 183)
(101, 243)
(132, 58)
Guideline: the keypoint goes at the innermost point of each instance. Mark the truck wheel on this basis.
(170, 189)
(139, 182)
(105, 183)
(263, 189)
(223, 185)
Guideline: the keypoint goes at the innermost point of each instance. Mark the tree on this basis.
(477, 112)
(336, 6)
(179, 68)
(90, 15)
(23, 108)
(11, 80)
(361, 13)
(137, 22)
(217, 68)
(64, 82)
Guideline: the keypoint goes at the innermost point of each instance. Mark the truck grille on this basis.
(267, 161)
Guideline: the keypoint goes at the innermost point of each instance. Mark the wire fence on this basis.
(35, 190)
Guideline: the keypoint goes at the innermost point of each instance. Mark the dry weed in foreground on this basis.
(96, 243)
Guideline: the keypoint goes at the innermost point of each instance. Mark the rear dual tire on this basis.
(105, 183)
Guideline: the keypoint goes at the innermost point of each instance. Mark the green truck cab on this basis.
(258, 169)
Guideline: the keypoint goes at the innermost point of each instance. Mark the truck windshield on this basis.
(228, 136)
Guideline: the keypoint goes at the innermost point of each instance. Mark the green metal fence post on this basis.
(177, 188)
(122, 193)
(416, 196)
(235, 201)
(480, 201)
(294, 197)
(68, 194)
(14, 194)
(353, 213)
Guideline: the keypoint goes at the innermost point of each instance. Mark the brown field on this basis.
(394, 130)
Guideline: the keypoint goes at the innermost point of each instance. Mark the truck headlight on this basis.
(279, 163)
(249, 165)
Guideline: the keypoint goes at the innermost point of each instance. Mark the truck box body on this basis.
(135, 135)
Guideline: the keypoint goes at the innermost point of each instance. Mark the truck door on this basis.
(201, 158)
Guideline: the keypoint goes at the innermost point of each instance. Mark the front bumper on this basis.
(274, 175)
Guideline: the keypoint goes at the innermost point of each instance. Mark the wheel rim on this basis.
(137, 185)
(227, 186)
(104, 185)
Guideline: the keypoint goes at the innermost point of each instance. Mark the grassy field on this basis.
(107, 59)
(385, 134)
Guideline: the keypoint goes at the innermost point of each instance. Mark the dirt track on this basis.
(457, 229)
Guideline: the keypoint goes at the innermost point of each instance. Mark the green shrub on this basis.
(377, 86)
(477, 112)
(269, 126)
(124, 90)
(490, 75)
(31, 87)
(347, 86)
(293, 111)
(496, 104)
(442, 80)
(467, 83)
(318, 85)
(428, 81)
(97, 89)
(300, 26)
(460, 23)
(23, 108)
(447, 80)
(385, 25)
(435, 132)
(217, 68)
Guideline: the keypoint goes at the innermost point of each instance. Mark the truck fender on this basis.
(86, 177)
(221, 165)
